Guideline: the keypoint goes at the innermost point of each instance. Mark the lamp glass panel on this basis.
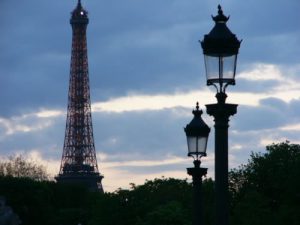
(192, 144)
(211, 67)
(220, 68)
(227, 66)
(202, 143)
(196, 145)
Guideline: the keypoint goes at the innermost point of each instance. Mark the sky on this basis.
(146, 72)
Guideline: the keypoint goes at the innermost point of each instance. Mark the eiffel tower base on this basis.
(92, 181)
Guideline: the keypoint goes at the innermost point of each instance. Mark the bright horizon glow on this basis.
(115, 176)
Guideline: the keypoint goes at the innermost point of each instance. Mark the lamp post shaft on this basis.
(221, 112)
(197, 173)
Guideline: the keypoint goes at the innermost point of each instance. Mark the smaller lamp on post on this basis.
(197, 133)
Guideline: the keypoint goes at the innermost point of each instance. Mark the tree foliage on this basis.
(19, 166)
(268, 187)
(160, 201)
(154, 200)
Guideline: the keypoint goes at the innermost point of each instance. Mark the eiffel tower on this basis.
(79, 163)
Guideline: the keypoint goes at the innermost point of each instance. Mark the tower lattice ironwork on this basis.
(79, 163)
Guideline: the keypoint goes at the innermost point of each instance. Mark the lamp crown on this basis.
(220, 40)
(197, 127)
(220, 18)
(197, 113)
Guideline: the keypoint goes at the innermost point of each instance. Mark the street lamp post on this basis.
(220, 49)
(197, 135)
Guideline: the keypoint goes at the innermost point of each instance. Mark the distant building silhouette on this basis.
(79, 163)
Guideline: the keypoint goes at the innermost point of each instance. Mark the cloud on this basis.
(262, 72)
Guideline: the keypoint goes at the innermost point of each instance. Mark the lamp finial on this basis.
(220, 11)
(220, 17)
(198, 112)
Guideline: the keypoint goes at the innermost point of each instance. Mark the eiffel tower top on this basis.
(79, 15)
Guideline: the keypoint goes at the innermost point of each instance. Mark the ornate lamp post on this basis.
(197, 135)
(220, 49)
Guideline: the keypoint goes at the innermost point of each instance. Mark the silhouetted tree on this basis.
(19, 166)
(160, 201)
(266, 189)
(171, 213)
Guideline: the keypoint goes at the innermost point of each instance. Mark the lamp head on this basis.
(220, 48)
(197, 133)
